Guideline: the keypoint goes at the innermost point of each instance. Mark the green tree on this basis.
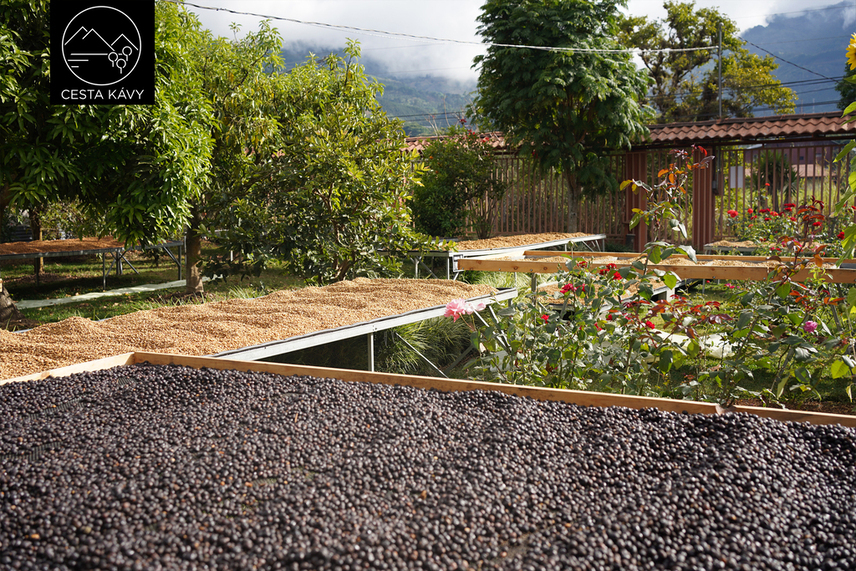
(136, 165)
(846, 87)
(686, 78)
(329, 194)
(459, 188)
(243, 82)
(568, 107)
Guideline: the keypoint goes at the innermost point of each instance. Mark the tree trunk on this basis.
(193, 245)
(5, 199)
(36, 229)
(573, 202)
(8, 312)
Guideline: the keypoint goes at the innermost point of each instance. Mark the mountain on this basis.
(425, 103)
(87, 42)
(811, 49)
(122, 42)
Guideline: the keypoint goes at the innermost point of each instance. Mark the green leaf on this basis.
(839, 369)
(784, 290)
(847, 148)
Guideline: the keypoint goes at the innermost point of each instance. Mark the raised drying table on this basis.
(452, 258)
(86, 247)
(368, 328)
(214, 327)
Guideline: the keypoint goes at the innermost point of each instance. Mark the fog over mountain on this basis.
(427, 103)
(809, 47)
(811, 52)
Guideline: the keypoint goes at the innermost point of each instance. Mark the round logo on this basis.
(101, 46)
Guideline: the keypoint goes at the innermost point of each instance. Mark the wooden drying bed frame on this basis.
(686, 272)
(582, 398)
(453, 257)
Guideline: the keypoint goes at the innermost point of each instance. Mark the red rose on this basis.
(841, 235)
(650, 325)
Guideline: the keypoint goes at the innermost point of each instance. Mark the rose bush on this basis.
(603, 330)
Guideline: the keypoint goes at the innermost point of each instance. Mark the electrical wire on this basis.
(786, 61)
(414, 37)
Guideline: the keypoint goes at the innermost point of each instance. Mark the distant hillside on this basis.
(422, 102)
(814, 43)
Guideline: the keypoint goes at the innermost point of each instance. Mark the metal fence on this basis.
(537, 202)
(774, 175)
(745, 176)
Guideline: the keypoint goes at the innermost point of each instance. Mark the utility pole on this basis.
(719, 81)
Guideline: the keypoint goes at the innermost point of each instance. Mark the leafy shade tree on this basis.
(243, 82)
(459, 188)
(566, 107)
(135, 165)
(686, 78)
(330, 198)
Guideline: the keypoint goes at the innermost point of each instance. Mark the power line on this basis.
(786, 61)
(384, 33)
(413, 37)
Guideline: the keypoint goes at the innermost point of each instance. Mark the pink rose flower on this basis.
(459, 307)
(809, 326)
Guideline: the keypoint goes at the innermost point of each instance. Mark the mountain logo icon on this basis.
(101, 46)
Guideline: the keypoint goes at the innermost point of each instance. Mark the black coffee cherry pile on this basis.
(165, 467)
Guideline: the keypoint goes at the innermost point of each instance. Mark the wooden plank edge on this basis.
(737, 273)
(634, 255)
(796, 415)
(582, 398)
(87, 367)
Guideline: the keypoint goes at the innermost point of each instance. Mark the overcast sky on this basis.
(444, 19)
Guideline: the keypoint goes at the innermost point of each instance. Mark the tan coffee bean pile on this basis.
(215, 327)
(513, 241)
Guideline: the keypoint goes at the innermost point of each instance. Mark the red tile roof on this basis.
(808, 126)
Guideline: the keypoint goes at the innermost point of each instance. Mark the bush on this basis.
(460, 189)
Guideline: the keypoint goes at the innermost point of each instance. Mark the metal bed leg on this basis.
(370, 339)
(421, 356)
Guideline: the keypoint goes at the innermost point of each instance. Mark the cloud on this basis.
(446, 19)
